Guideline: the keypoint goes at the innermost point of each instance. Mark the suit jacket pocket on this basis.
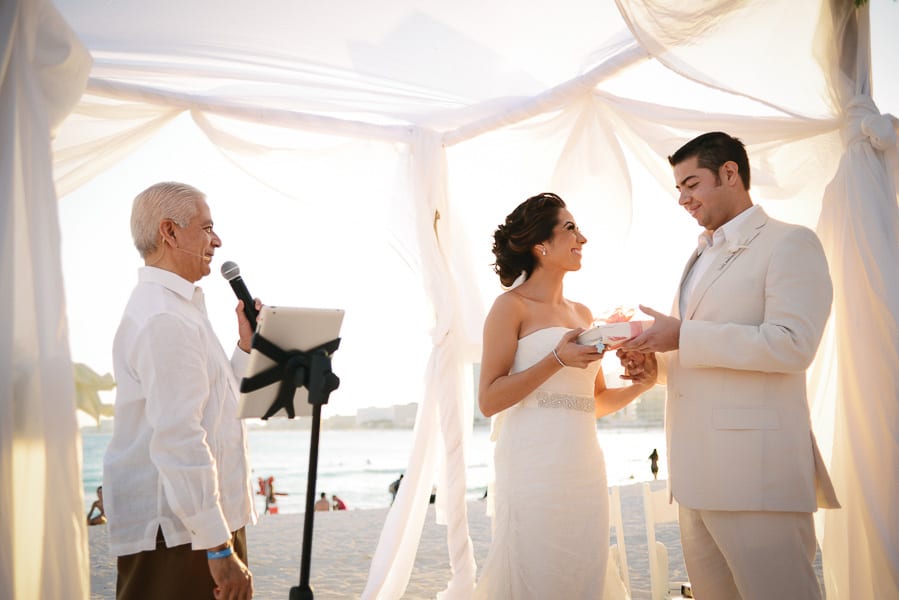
(745, 418)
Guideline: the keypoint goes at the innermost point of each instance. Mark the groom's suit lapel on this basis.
(680, 288)
(740, 241)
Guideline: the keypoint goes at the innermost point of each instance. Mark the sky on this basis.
(99, 261)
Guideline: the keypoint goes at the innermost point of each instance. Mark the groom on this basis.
(743, 463)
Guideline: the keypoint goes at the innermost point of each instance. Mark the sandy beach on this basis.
(344, 541)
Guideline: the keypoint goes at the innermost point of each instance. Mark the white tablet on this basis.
(288, 328)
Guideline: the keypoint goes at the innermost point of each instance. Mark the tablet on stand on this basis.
(289, 374)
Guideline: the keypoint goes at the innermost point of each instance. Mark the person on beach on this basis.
(176, 472)
(268, 489)
(545, 392)
(394, 487)
(100, 517)
(654, 463)
(743, 463)
(337, 503)
(322, 503)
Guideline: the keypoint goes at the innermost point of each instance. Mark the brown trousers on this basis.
(177, 573)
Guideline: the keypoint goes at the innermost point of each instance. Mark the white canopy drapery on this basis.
(859, 227)
(425, 123)
(43, 532)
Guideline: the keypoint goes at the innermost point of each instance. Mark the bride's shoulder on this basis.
(509, 300)
(506, 315)
(582, 311)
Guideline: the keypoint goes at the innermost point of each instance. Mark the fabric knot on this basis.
(879, 129)
(865, 121)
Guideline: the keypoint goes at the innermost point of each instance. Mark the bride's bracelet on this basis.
(556, 356)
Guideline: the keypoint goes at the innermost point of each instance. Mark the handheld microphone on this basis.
(231, 272)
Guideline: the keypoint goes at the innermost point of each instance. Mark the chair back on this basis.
(618, 553)
(657, 510)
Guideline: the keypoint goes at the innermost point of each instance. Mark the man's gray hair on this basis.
(166, 200)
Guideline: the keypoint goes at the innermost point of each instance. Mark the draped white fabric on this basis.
(427, 122)
(42, 74)
(859, 228)
(854, 388)
(853, 384)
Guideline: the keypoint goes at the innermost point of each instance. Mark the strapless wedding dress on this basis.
(551, 500)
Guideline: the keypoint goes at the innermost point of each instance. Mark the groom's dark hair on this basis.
(713, 150)
(531, 223)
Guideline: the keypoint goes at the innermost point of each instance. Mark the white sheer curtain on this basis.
(442, 415)
(43, 531)
(285, 148)
(431, 153)
(859, 228)
(853, 384)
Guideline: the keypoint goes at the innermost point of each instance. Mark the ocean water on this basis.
(359, 464)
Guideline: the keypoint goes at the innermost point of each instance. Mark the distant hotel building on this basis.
(646, 411)
(398, 415)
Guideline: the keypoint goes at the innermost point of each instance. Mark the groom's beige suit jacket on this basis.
(736, 416)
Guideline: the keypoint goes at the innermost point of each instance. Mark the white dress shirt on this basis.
(177, 459)
(710, 247)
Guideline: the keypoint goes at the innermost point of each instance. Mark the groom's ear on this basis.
(730, 173)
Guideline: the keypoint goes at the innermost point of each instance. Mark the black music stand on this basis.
(294, 369)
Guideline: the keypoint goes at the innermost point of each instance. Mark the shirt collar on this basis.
(729, 229)
(169, 280)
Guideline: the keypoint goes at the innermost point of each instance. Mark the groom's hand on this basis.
(663, 336)
(638, 367)
(631, 361)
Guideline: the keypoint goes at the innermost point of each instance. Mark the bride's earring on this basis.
(543, 250)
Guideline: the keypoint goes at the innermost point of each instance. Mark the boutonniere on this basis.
(734, 247)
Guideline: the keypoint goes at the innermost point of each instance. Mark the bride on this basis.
(551, 507)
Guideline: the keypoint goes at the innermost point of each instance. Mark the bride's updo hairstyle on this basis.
(529, 224)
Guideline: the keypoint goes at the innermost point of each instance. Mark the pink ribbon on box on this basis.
(619, 315)
(618, 333)
(612, 335)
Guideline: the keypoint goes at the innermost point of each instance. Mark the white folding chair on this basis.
(617, 552)
(657, 510)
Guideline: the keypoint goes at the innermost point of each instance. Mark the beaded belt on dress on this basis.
(545, 399)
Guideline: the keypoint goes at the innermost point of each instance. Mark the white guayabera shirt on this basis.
(178, 456)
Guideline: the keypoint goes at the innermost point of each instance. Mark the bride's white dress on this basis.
(551, 500)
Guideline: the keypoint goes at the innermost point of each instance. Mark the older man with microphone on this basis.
(176, 476)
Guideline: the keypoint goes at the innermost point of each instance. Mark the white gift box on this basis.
(612, 335)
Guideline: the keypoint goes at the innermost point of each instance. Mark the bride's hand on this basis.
(572, 354)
